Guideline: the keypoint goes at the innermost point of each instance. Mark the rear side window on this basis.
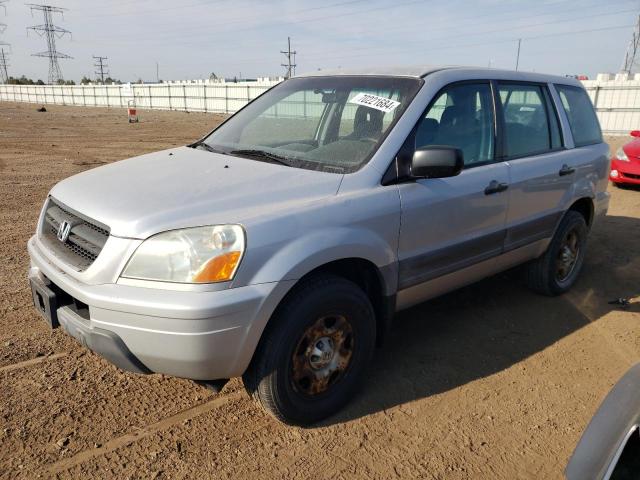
(581, 115)
(530, 127)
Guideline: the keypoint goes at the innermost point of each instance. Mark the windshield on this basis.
(333, 124)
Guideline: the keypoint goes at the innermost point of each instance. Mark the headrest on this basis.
(367, 122)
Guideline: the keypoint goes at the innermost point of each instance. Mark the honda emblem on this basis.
(63, 231)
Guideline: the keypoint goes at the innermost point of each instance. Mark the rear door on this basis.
(452, 223)
(540, 167)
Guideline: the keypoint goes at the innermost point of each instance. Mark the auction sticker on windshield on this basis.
(379, 103)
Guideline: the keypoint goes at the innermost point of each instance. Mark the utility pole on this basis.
(632, 50)
(157, 73)
(50, 32)
(291, 57)
(101, 66)
(518, 54)
(4, 75)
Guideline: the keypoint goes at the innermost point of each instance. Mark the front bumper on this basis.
(192, 334)
(627, 172)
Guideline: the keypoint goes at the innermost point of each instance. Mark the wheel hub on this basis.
(567, 256)
(322, 355)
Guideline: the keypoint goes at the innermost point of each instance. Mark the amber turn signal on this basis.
(218, 269)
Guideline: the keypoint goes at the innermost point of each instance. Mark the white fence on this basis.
(617, 102)
(616, 98)
(217, 98)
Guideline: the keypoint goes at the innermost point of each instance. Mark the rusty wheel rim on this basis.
(322, 355)
(567, 256)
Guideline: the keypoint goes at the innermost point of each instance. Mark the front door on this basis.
(452, 223)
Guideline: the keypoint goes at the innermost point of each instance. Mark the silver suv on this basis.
(279, 246)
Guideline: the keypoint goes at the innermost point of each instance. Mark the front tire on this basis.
(313, 355)
(557, 269)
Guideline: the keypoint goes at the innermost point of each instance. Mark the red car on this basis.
(625, 164)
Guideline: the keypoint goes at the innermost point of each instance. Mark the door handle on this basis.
(495, 187)
(566, 170)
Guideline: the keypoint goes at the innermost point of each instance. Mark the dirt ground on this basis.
(492, 381)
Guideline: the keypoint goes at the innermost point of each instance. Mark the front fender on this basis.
(302, 255)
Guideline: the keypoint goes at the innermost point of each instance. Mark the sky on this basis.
(192, 38)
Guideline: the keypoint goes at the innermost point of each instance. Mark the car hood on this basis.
(185, 187)
(632, 149)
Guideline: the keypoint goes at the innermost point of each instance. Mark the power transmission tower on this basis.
(4, 75)
(291, 57)
(3, 26)
(51, 32)
(632, 50)
(101, 65)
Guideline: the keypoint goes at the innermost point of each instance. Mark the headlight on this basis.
(620, 155)
(192, 255)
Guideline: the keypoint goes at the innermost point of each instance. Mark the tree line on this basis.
(23, 80)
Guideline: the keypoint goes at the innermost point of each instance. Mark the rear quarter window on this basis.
(581, 115)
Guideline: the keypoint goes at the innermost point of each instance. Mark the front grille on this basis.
(86, 237)
(631, 175)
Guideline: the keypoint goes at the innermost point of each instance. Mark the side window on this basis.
(530, 126)
(462, 117)
(581, 115)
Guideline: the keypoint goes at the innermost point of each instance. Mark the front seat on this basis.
(367, 124)
(427, 132)
(459, 128)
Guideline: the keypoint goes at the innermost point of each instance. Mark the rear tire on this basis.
(313, 355)
(557, 269)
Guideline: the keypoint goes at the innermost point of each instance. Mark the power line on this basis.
(468, 33)
(50, 32)
(291, 57)
(152, 10)
(4, 75)
(437, 48)
(101, 66)
(194, 36)
(206, 30)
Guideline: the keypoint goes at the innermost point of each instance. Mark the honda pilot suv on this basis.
(279, 246)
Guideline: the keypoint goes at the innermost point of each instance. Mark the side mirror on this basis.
(635, 133)
(436, 161)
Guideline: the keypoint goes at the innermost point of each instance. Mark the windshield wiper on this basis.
(262, 154)
(206, 146)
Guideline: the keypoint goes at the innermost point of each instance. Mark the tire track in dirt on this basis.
(33, 361)
(143, 432)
